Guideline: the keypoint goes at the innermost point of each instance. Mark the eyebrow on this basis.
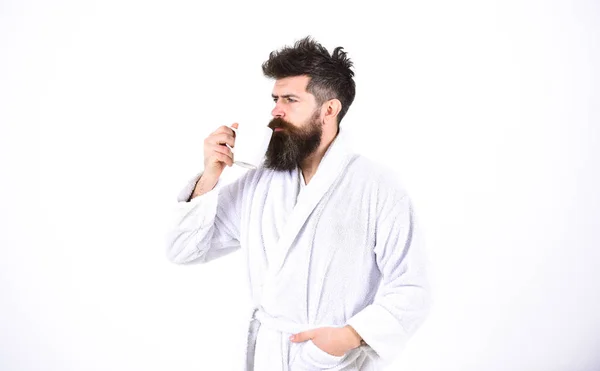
(285, 96)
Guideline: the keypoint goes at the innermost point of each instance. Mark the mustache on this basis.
(278, 122)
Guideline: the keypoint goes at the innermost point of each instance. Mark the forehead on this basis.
(291, 85)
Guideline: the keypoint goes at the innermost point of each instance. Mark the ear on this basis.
(332, 108)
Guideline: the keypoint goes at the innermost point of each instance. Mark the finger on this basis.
(220, 129)
(222, 149)
(222, 139)
(226, 129)
(224, 158)
(302, 336)
(235, 126)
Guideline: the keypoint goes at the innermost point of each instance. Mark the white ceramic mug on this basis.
(251, 144)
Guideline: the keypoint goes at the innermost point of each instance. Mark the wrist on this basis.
(205, 184)
(354, 339)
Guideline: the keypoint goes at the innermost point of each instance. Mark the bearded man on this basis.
(335, 264)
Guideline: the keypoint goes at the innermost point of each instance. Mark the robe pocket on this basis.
(311, 357)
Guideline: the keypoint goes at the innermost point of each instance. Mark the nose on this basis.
(278, 111)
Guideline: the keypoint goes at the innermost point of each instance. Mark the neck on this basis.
(310, 165)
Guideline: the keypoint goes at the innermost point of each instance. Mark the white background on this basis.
(488, 110)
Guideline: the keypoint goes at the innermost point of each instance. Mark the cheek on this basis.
(302, 116)
(301, 110)
(294, 113)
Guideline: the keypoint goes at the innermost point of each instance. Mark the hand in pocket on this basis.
(334, 341)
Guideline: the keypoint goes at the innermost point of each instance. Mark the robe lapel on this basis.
(332, 165)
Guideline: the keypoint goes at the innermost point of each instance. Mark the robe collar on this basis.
(330, 170)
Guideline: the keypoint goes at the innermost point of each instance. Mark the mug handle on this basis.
(235, 132)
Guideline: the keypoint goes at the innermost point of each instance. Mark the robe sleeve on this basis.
(402, 301)
(206, 227)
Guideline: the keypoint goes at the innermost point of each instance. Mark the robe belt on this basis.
(285, 328)
(278, 324)
(262, 318)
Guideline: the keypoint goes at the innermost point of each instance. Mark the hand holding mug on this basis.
(217, 150)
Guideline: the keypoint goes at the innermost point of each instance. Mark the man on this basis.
(335, 268)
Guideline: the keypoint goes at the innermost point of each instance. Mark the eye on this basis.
(291, 100)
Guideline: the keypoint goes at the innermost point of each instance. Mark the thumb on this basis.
(302, 337)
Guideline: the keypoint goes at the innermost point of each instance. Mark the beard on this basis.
(289, 147)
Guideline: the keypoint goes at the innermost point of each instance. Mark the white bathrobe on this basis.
(343, 251)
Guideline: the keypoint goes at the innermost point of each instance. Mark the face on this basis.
(297, 124)
(292, 102)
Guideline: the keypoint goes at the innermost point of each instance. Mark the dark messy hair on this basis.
(330, 74)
